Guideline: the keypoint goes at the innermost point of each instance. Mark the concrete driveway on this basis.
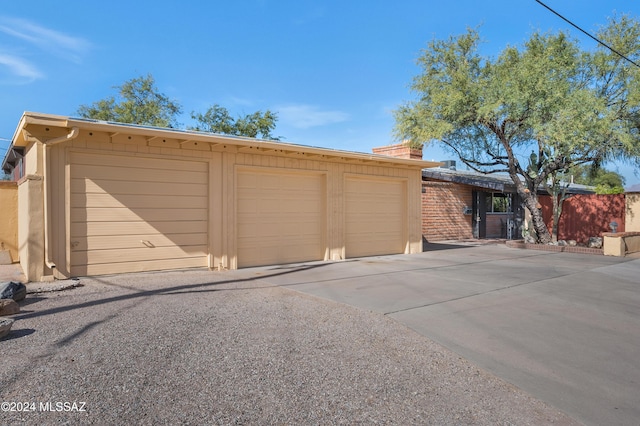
(563, 327)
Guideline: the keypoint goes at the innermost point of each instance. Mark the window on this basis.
(499, 203)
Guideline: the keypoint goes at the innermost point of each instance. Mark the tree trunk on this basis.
(556, 217)
(531, 202)
(558, 192)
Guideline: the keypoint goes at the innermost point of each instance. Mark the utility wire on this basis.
(3, 139)
(589, 35)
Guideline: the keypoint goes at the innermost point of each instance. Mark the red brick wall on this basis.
(399, 151)
(443, 204)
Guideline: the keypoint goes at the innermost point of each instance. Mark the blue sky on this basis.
(333, 70)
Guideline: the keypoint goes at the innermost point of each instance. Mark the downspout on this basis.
(47, 210)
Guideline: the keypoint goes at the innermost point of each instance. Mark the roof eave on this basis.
(97, 125)
(476, 181)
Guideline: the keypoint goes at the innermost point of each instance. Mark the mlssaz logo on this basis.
(63, 406)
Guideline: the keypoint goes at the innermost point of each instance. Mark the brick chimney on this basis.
(401, 150)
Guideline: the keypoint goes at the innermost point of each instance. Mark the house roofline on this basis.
(471, 179)
(495, 182)
(20, 138)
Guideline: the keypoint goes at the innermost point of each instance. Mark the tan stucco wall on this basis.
(31, 214)
(632, 244)
(33, 159)
(46, 186)
(632, 209)
(613, 245)
(9, 218)
(621, 244)
(223, 164)
(30, 227)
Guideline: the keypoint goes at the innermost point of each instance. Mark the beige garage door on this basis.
(280, 217)
(131, 214)
(375, 216)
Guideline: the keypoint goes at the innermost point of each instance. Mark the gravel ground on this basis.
(224, 348)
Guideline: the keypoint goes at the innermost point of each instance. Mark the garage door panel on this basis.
(281, 217)
(82, 229)
(139, 201)
(133, 162)
(269, 206)
(105, 242)
(366, 223)
(118, 214)
(81, 186)
(142, 253)
(375, 216)
(138, 213)
(138, 266)
(108, 174)
(292, 251)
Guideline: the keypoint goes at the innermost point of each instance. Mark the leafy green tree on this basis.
(569, 106)
(605, 181)
(138, 102)
(217, 119)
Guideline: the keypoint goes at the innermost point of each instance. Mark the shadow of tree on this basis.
(585, 216)
(134, 297)
(165, 290)
(632, 206)
(436, 246)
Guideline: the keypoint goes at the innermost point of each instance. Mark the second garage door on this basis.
(280, 217)
(375, 216)
(131, 214)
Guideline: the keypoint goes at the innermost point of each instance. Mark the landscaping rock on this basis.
(595, 242)
(9, 307)
(529, 239)
(13, 290)
(562, 243)
(5, 326)
(572, 243)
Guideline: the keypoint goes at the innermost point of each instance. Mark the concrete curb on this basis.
(556, 249)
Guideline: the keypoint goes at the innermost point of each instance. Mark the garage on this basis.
(136, 214)
(375, 216)
(108, 198)
(280, 216)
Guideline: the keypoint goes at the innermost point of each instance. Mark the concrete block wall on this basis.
(443, 205)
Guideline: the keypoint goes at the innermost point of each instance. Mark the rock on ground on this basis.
(5, 326)
(8, 307)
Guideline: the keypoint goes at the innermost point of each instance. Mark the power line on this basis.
(4, 139)
(589, 35)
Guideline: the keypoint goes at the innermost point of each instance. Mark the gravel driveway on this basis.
(197, 347)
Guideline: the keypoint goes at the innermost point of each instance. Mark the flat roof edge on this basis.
(97, 125)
